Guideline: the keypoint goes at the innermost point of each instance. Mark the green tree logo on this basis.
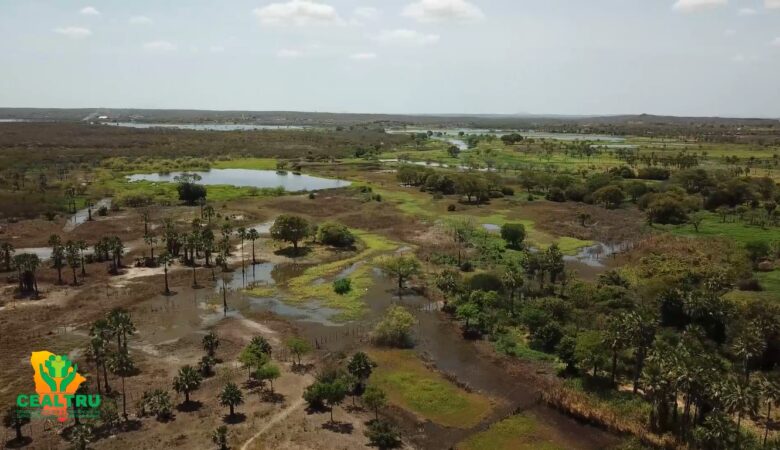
(58, 367)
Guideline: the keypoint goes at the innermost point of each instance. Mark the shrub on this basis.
(102, 211)
(395, 328)
(342, 286)
(312, 195)
(750, 284)
(653, 173)
(556, 195)
(576, 192)
(484, 282)
(513, 234)
(508, 191)
(382, 435)
(335, 234)
(451, 207)
(547, 337)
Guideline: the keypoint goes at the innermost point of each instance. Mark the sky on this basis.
(571, 57)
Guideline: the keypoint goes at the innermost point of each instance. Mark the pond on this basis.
(206, 126)
(253, 178)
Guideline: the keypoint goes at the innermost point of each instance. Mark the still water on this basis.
(253, 178)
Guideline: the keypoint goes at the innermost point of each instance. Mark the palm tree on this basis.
(219, 436)
(208, 213)
(57, 255)
(210, 343)
(82, 246)
(231, 396)
(151, 241)
(98, 347)
(26, 265)
(207, 243)
(739, 398)
(187, 380)
(121, 326)
(165, 260)
(241, 232)
(8, 251)
(253, 235)
(16, 418)
(770, 391)
(73, 258)
(615, 339)
(513, 282)
(748, 345)
(122, 365)
(81, 435)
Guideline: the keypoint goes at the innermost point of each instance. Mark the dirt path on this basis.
(281, 415)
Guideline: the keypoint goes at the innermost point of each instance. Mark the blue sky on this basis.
(682, 57)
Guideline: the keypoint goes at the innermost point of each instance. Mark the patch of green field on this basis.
(713, 226)
(519, 432)
(411, 385)
(421, 204)
(770, 281)
(315, 283)
(247, 163)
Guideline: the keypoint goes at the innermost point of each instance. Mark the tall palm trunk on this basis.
(124, 399)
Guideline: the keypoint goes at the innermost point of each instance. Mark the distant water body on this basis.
(252, 178)
(206, 126)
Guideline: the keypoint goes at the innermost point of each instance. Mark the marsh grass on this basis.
(426, 393)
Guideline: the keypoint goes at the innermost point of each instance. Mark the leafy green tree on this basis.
(590, 351)
(231, 396)
(513, 234)
(298, 347)
(73, 258)
(335, 234)
(610, 196)
(360, 366)
(374, 398)
(268, 372)
(401, 267)
(289, 228)
(187, 380)
(256, 354)
(156, 402)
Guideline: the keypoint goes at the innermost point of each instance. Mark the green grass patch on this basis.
(247, 163)
(315, 283)
(713, 226)
(624, 404)
(514, 343)
(411, 385)
(520, 432)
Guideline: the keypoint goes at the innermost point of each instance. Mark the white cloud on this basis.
(74, 32)
(140, 20)
(160, 46)
(363, 56)
(776, 42)
(216, 49)
(297, 12)
(289, 53)
(730, 32)
(366, 13)
(772, 4)
(747, 12)
(407, 37)
(687, 6)
(89, 11)
(439, 10)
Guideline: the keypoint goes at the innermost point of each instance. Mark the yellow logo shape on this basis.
(55, 378)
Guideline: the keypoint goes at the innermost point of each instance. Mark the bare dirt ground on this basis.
(59, 322)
